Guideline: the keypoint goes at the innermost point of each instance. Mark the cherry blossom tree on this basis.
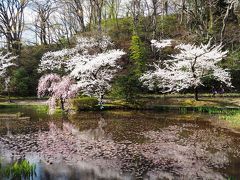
(62, 89)
(94, 73)
(188, 68)
(92, 63)
(162, 44)
(6, 62)
(54, 61)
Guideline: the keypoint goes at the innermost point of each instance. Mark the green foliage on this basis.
(232, 178)
(20, 82)
(26, 75)
(138, 55)
(85, 103)
(120, 31)
(64, 41)
(127, 87)
(233, 60)
(168, 26)
(18, 170)
(232, 118)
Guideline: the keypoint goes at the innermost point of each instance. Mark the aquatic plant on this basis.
(18, 170)
(232, 118)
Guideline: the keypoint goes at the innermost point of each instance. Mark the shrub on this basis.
(127, 87)
(85, 103)
(20, 82)
(138, 55)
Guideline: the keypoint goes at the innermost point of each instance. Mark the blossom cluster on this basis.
(6, 62)
(90, 63)
(58, 88)
(188, 68)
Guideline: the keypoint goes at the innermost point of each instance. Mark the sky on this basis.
(28, 35)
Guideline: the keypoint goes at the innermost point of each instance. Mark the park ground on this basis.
(227, 101)
(226, 106)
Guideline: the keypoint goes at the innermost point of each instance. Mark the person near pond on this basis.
(214, 91)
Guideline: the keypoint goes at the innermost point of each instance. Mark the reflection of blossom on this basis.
(175, 150)
(95, 134)
(69, 143)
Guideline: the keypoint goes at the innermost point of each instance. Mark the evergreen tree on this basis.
(137, 55)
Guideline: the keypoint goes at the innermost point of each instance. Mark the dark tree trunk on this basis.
(166, 8)
(154, 18)
(62, 104)
(196, 93)
(101, 102)
(9, 97)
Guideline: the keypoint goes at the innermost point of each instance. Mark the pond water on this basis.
(120, 145)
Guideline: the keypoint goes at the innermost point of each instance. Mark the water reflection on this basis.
(79, 171)
(8, 129)
(97, 133)
(123, 145)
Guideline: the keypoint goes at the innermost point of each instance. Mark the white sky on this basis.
(28, 35)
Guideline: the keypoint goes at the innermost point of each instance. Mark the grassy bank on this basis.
(225, 101)
(232, 119)
(37, 107)
(227, 107)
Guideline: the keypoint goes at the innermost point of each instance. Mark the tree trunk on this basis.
(154, 19)
(210, 28)
(101, 101)
(182, 12)
(230, 6)
(9, 97)
(62, 104)
(166, 7)
(196, 93)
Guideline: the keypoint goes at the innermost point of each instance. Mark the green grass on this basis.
(233, 119)
(34, 106)
(187, 95)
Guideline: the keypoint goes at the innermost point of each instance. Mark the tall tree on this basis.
(135, 9)
(43, 9)
(155, 5)
(137, 55)
(12, 23)
(96, 13)
(75, 10)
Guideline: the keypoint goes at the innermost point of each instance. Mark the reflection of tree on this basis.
(9, 133)
(95, 134)
(79, 171)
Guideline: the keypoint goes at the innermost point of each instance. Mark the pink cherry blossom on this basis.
(57, 88)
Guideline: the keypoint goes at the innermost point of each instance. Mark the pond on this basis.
(120, 145)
